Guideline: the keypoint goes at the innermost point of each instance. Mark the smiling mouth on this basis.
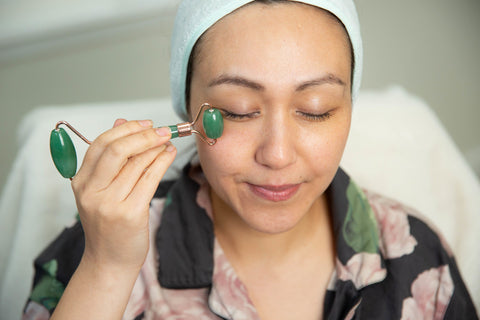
(274, 193)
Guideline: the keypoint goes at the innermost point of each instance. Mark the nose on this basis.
(277, 147)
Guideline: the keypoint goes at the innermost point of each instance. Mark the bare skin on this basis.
(113, 189)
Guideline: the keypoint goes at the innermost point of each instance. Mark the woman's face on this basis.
(281, 75)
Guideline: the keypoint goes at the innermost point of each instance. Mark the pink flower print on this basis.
(182, 304)
(351, 313)
(36, 311)
(394, 227)
(362, 269)
(229, 297)
(431, 294)
(160, 303)
(146, 284)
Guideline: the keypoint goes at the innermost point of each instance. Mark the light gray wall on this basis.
(130, 63)
(431, 47)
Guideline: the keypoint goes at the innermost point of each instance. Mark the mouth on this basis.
(275, 193)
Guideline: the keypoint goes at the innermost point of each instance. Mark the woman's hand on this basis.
(113, 189)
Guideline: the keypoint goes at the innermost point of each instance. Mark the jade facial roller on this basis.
(65, 157)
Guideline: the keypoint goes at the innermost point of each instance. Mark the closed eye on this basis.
(315, 116)
(239, 116)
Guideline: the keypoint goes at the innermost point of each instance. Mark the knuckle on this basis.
(92, 151)
(115, 148)
(100, 142)
(133, 125)
(105, 138)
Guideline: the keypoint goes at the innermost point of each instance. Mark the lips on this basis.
(274, 193)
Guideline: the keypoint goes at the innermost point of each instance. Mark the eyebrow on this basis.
(236, 80)
(327, 79)
(243, 82)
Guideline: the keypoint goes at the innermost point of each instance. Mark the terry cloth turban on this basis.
(194, 17)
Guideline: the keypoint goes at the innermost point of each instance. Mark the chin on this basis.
(273, 223)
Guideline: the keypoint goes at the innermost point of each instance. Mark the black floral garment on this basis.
(390, 264)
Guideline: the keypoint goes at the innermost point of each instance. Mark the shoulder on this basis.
(403, 230)
(421, 268)
(53, 269)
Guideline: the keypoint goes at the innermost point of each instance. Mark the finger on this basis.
(119, 151)
(128, 177)
(147, 185)
(119, 122)
(101, 142)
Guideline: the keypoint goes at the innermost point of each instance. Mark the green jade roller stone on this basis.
(213, 123)
(63, 153)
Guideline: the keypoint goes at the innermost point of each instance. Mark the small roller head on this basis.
(213, 123)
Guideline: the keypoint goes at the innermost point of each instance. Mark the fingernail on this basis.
(145, 123)
(118, 122)
(170, 147)
(163, 132)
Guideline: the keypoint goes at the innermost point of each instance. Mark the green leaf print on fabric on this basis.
(360, 227)
(48, 290)
(168, 199)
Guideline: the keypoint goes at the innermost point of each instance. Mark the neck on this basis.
(245, 246)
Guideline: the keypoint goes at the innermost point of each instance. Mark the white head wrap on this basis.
(194, 17)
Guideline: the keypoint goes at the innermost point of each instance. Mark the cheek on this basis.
(232, 153)
(323, 147)
(225, 163)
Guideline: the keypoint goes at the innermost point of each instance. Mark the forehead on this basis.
(265, 38)
(256, 14)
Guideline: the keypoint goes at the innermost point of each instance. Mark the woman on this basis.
(264, 225)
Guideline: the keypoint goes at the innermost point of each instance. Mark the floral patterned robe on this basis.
(390, 264)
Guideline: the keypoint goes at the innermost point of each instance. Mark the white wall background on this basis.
(57, 52)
